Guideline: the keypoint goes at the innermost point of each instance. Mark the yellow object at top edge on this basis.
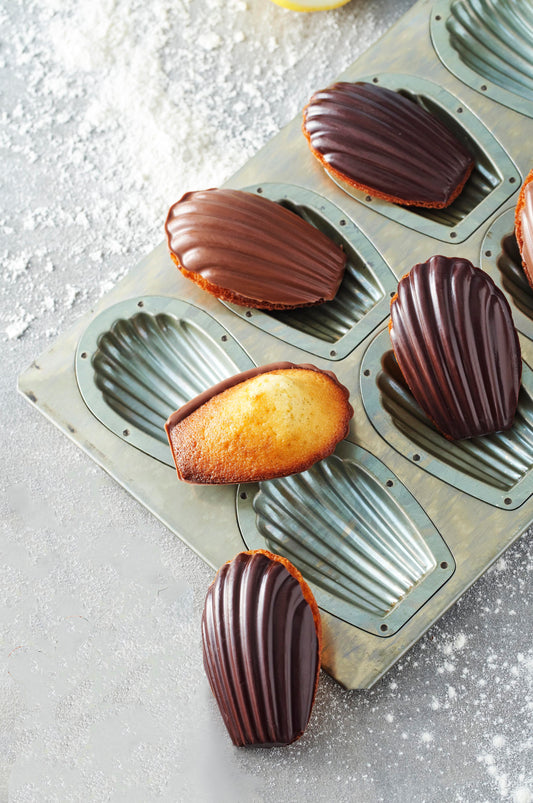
(309, 5)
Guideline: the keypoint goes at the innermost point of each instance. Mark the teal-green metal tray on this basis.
(157, 338)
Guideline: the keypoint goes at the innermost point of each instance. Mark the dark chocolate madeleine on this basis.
(384, 144)
(261, 637)
(252, 251)
(457, 347)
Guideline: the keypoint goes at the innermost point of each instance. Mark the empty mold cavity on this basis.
(140, 360)
(501, 258)
(332, 329)
(496, 468)
(488, 44)
(360, 539)
(493, 179)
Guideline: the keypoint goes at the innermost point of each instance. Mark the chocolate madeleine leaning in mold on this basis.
(457, 347)
(262, 639)
(252, 251)
(524, 226)
(267, 422)
(383, 143)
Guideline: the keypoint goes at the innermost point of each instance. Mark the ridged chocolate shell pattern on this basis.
(254, 247)
(346, 533)
(498, 461)
(494, 39)
(261, 651)
(457, 347)
(380, 140)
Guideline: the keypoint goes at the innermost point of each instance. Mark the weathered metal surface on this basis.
(475, 530)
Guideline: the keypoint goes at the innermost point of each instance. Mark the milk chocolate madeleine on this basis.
(267, 422)
(382, 143)
(524, 226)
(457, 347)
(252, 251)
(261, 637)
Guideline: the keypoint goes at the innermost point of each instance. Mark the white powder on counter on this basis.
(113, 109)
(127, 105)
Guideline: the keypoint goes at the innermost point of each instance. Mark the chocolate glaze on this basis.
(457, 347)
(236, 379)
(261, 650)
(385, 143)
(254, 248)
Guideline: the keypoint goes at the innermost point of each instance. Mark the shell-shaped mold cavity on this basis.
(488, 44)
(369, 552)
(494, 177)
(332, 329)
(261, 650)
(141, 359)
(500, 257)
(496, 468)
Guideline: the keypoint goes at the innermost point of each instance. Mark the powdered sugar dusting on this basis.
(113, 109)
(127, 105)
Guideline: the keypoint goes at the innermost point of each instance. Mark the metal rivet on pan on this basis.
(488, 253)
(483, 87)
(389, 483)
(125, 432)
(224, 338)
(453, 234)
(244, 495)
(512, 180)
(366, 372)
(384, 628)
(416, 458)
(368, 198)
(259, 189)
(375, 80)
(460, 110)
(508, 500)
(438, 17)
(248, 313)
(83, 355)
(332, 353)
(392, 293)
(444, 565)
(342, 223)
(140, 303)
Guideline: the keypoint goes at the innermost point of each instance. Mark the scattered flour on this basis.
(120, 115)
(18, 326)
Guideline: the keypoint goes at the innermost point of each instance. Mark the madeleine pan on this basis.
(369, 552)
(335, 328)
(500, 257)
(493, 179)
(497, 469)
(488, 45)
(438, 518)
(141, 359)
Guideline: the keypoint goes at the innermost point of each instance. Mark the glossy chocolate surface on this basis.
(382, 141)
(261, 650)
(457, 347)
(254, 248)
(231, 381)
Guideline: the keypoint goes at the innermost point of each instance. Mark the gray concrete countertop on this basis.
(110, 111)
